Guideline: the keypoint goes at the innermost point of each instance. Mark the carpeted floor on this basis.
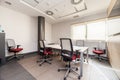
(49, 71)
(14, 71)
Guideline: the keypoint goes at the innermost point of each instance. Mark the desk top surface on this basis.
(57, 46)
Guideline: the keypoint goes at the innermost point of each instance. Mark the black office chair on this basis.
(45, 53)
(15, 49)
(67, 56)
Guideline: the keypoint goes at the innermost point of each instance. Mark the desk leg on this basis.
(81, 66)
(87, 55)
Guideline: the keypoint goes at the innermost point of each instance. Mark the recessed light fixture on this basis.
(76, 1)
(9, 3)
(49, 12)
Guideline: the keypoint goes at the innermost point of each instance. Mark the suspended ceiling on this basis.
(62, 9)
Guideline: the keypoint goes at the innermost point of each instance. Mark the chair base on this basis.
(100, 58)
(44, 61)
(68, 69)
(14, 57)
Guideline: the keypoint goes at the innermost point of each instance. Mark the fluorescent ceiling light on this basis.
(31, 2)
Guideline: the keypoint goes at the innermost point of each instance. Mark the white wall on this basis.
(60, 30)
(22, 28)
(48, 32)
(113, 26)
(114, 43)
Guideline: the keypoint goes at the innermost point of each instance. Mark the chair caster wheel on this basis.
(37, 61)
(66, 65)
(23, 56)
(58, 70)
(18, 59)
(51, 59)
(79, 77)
(76, 69)
(40, 65)
(65, 78)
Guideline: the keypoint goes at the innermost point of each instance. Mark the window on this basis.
(78, 32)
(89, 31)
(96, 31)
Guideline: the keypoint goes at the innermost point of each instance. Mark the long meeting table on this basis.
(78, 49)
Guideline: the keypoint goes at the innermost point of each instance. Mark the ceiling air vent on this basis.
(33, 3)
(76, 16)
(8, 3)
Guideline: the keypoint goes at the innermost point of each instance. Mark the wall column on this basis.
(41, 30)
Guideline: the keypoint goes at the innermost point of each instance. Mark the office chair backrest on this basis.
(11, 43)
(102, 45)
(66, 45)
(42, 44)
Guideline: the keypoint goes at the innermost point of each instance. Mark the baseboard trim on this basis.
(28, 53)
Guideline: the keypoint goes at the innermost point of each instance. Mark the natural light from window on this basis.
(96, 31)
(90, 31)
(78, 32)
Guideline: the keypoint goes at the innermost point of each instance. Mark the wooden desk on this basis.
(76, 49)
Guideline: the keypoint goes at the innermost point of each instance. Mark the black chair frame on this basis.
(68, 67)
(45, 58)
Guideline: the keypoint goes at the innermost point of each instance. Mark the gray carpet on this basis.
(14, 71)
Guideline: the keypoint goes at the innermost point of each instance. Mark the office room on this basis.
(59, 39)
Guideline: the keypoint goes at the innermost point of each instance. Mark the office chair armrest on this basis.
(66, 55)
(77, 52)
(18, 46)
(9, 48)
(104, 50)
(95, 48)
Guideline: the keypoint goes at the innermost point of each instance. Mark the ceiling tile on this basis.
(48, 4)
(63, 9)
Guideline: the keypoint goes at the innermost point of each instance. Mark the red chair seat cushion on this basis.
(98, 51)
(16, 49)
(75, 56)
(48, 51)
(67, 57)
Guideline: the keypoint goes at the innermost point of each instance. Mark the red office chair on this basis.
(99, 52)
(68, 56)
(46, 52)
(12, 47)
